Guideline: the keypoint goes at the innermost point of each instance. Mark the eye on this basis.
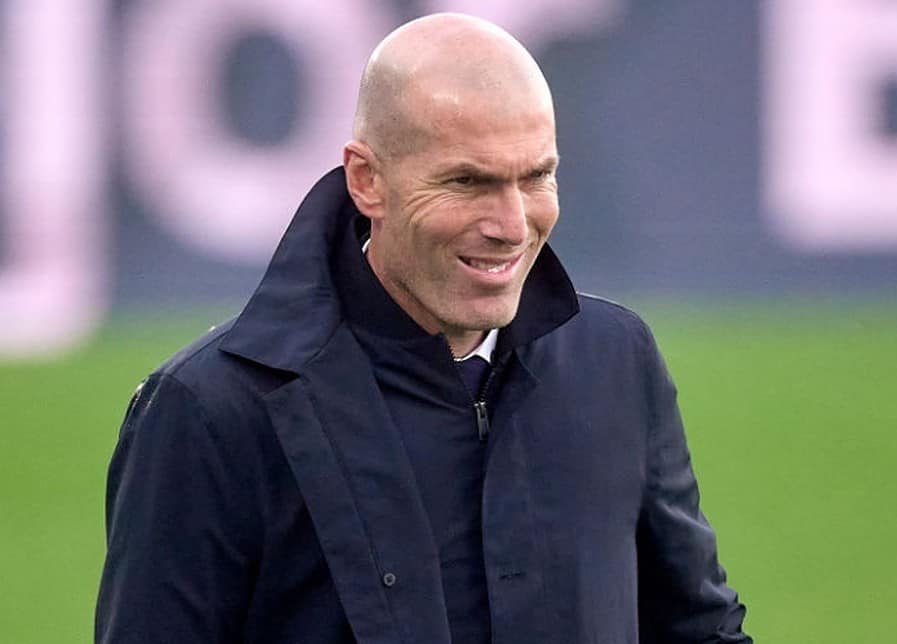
(461, 180)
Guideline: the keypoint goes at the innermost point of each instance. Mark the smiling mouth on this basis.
(489, 265)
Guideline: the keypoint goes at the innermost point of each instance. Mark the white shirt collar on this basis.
(485, 348)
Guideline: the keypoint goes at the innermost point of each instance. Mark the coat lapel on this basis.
(351, 466)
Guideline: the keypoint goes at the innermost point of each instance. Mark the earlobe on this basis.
(362, 179)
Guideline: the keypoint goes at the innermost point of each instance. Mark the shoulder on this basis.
(603, 336)
(204, 365)
(199, 358)
(603, 324)
(628, 338)
(595, 309)
(201, 385)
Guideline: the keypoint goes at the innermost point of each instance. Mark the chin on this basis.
(485, 318)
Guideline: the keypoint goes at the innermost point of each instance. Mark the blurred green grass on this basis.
(791, 414)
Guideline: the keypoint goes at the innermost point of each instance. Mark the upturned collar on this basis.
(297, 306)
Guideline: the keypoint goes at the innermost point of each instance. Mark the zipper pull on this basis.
(482, 419)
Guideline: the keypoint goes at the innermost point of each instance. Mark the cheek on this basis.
(419, 206)
(439, 225)
(543, 214)
(421, 250)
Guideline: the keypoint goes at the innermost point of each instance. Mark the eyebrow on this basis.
(548, 164)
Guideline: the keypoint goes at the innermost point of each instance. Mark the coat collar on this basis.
(296, 307)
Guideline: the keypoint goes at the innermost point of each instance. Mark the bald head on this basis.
(438, 68)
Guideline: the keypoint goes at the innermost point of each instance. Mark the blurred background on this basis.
(729, 170)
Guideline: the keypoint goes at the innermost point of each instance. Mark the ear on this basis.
(363, 179)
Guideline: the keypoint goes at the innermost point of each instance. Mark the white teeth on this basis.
(487, 266)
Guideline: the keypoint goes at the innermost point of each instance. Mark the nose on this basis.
(507, 221)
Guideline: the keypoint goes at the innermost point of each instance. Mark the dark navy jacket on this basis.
(260, 491)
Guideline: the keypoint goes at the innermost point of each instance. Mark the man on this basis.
(325, 469)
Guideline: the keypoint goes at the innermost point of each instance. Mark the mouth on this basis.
(491, 266)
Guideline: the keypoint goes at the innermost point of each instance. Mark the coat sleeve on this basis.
(683, 596)
(178, 563)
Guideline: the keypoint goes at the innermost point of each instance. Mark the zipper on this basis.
(479, 404)
(479, 407)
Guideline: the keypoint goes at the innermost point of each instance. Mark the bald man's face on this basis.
(466, 214)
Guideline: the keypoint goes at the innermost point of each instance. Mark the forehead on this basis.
(485, 131)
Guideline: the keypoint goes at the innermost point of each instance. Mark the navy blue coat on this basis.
(260, 489)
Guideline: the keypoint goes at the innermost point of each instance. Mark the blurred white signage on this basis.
(210, 189)
(830, 172)
(53, 160)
